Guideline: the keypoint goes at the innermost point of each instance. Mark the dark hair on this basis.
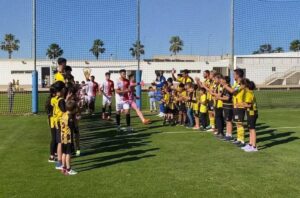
(218, 75)
(181, 85)
(122, 70)
(245, 81)
(239, 72)
(195, 86)
(93, 77)
(179, 75)
(186, 71)
(58, 86)
(150, 88)
(170, 80)
(251, 85)
(207, 71)
(130, 75)
(68, 68)
(70, 105)
(107, 74)
(61, 61)
(227, 79)
(83, 82)
(203, 90)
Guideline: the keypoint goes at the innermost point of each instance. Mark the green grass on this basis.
(265, 99)
(154, 162)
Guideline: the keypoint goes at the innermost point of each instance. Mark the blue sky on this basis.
(204, 25)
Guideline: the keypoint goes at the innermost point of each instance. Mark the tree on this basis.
(137, 50)
(176, 45)
(278, 50)
(256, 52)
(265, 48)
(54, 51)
(97, 48)
(295, 45)
(10, 44)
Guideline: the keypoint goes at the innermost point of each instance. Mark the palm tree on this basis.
(54, 51)
(265, 48)
(10, 44)
(97, 48)
(137, 50)
(295, 45)
(176, 44)
(278, 50)
(256, 52)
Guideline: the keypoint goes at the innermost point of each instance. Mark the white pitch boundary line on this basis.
(204, 132)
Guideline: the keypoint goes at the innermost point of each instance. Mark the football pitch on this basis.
(154, 161)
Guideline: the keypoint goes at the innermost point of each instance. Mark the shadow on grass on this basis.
(103, 146)
(268, 137)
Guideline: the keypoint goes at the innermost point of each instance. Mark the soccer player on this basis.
(184, 78)
(252, 115)
(203, 109)
(67, 124)
(226, 97)
(60, 74)
(107, 90)
(189, 104)
(210, 85)
(59, 107)
(133, 97)
(181, 95)
(218, 106)
(49, 110)
(122, 89)
(92, 89)
(196, 107)
(238, 91)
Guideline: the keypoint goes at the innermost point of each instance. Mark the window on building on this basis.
(273, 69)
(21, 72)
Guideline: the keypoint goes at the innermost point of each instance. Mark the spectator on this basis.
(10, 95)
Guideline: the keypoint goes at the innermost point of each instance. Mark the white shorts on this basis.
(122, 105)
(106, 100)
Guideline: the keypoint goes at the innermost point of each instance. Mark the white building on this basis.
(264, 69)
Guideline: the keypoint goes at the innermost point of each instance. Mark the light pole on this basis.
(34, 73)
(231, 65)
(138, 56)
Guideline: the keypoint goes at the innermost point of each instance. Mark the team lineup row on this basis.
(209, 105)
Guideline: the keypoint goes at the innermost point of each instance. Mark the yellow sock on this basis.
(212, 122)
(241, 134)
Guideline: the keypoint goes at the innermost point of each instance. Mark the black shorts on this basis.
(238, 115)
(66, 148)
(251, 121)
(182, 108)
(228, 115)
(168, 110)
(58, 135)
(210, 105)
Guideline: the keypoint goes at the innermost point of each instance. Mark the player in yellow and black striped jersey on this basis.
(211, 105)
(203, 108)
(226, 97)
(196, 107)
(180, 102)
(238, 91)
(60, 74)
(58, 104)
(49, 110)
(67, 123)
(189, 104)
(252, 115)
(168, 100)
(217, 93)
